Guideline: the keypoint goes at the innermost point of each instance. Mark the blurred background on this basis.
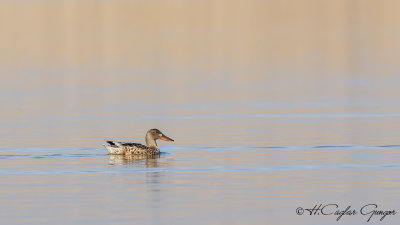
(220, 72)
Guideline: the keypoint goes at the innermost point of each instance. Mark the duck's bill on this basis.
(165, 138)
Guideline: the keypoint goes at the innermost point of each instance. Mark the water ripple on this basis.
(49, 156)
(333, 146)
(388, 146)
(207, 169)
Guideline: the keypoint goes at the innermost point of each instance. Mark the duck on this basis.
(130, 148)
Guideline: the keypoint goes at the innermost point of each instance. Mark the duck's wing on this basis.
(131, 144)
(124, 144)
(116, 144)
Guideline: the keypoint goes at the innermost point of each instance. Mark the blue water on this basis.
(248, 183)
(56, 157)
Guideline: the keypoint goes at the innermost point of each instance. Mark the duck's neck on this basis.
(150, 142)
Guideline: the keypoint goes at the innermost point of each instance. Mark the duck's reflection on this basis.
(153, 178)
(148, 160)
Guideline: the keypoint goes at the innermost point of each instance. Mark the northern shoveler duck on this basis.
(129, 148)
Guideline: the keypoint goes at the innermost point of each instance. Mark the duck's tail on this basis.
(111, 143)
(113, 147)
(114, 144)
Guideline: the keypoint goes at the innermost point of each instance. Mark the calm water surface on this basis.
(198, 185)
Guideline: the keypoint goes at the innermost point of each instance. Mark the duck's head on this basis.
(153, 135)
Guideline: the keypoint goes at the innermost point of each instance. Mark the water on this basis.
(273, 105)
(200, 185)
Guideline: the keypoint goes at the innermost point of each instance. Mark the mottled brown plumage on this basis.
(129, 148)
